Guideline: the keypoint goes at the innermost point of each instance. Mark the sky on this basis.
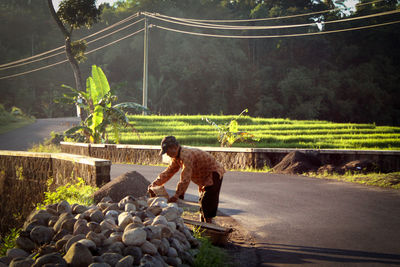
(57, 2)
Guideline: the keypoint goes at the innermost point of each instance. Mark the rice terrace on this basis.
(193, 130)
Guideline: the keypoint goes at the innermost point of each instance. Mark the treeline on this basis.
(347, 76)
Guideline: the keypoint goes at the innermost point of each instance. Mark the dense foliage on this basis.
(342, 77)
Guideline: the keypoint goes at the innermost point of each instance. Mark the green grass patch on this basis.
(209, 255)
(8, 241)
(386, 180)
(47, 148)
(73, 193)
(191, 130)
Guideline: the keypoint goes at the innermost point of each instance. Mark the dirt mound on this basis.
(297, 162)
(355, 166)
(130, 183)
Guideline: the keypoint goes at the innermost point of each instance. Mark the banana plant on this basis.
(229, 133)
(97, 102)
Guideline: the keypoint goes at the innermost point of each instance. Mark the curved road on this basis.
(297, 220)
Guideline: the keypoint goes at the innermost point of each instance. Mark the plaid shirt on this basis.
(197, 166)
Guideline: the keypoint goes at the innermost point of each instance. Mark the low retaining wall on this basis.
(24, 177)
(234, 158)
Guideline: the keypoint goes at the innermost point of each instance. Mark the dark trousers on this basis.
(209, 199)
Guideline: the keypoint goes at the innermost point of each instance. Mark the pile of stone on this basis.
(133, 232)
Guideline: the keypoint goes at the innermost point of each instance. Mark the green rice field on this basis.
(191, 130)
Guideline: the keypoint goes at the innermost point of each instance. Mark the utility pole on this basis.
(145, 62)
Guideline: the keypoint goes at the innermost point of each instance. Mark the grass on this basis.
(209, 255)
(386, 180)
(47, 148)
(273, 133)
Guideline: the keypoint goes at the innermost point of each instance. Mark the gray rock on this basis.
(29, 225)
(80, 227)
(135, 252)
(96, 216)
(73, 240)
(96, 238)
(116, 247)
(112, 258)
(130, 207)
(25, 243)
(94, 226)
(148, 260)
(52, 258)
(22, 262)
(16, 253)
(61, 243)
(61, 219)
(88, 243)
(41, 216)
(64, 207)
(173, 261)
(41, 234)
(148, 248)
(78, 255)
(68, 224)
(79, 209)
(60, 234)
(160, 219)
(172, 252)
(5, 260)
(171, 213)
(99, 264)
(126, 261)
(134, 237)
(124, 219)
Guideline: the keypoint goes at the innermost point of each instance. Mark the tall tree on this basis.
(71, 15)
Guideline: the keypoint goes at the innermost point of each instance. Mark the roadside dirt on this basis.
(240, 243)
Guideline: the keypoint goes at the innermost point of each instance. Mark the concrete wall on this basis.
(235, 158)
(24, 176)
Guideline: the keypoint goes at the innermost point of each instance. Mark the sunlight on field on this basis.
(273, 133)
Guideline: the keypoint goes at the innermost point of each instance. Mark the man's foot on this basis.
(209, 220)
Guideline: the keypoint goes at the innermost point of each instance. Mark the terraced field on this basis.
(273, 133)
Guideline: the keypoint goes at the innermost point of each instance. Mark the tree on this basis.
(74, 14)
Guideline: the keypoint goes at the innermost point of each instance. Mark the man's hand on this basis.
(173, 199)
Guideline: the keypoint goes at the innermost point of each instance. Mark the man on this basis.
(197, 166)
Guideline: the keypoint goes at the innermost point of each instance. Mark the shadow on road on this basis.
(270, 254)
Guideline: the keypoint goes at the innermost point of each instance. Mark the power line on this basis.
(276, 36)
(267, 19)
(64, 61)
(230, 27)
(62, 47)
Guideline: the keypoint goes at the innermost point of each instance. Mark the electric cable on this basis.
(272, 18)
(275, 36)
(230, 27)
(62, 47)
(62, 52)
(64, 61)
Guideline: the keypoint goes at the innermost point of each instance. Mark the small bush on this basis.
(78, 193)
(9, 241)
(209, 255)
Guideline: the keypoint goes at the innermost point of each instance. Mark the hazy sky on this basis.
(56, 2)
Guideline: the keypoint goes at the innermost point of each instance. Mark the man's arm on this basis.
(166, 174)
(183, 183)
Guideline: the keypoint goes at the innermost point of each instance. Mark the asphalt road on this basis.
(297, 220)
(25, 137)
(307, 221)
